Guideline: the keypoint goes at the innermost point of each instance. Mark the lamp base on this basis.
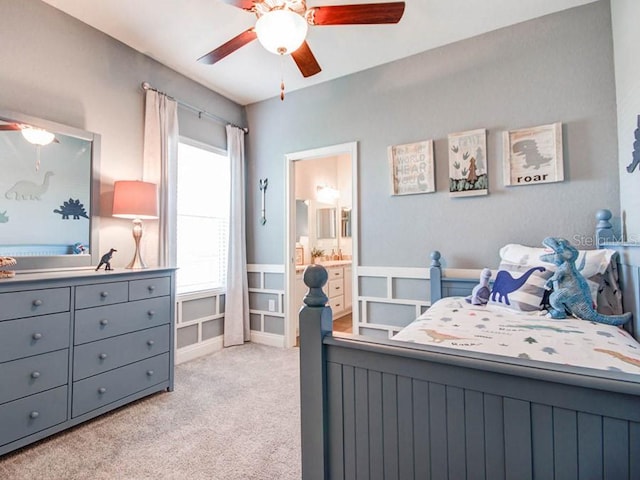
(137, 262)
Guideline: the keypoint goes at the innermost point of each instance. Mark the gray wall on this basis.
(557, 68)
(55, 67)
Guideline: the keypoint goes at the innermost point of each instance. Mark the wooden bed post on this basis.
(315, 323)
(604, 229)
(435, 277)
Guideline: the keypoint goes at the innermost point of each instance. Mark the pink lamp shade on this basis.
(135, 199)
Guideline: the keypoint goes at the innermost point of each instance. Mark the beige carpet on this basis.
(233, 415)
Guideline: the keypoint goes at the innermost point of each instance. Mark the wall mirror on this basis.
(326, 223)
(345, 222)
(49, 193)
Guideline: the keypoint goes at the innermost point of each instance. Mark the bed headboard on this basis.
(628, 267)
(628, 261)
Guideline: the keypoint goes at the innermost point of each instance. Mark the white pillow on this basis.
(596, 261)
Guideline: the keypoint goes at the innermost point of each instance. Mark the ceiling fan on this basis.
(282, 27)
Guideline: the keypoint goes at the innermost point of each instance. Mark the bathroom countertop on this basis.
(326, 264)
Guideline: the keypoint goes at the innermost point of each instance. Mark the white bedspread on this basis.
(452, 322)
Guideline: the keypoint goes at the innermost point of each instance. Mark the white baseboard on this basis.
(267, 339)
(192, 352)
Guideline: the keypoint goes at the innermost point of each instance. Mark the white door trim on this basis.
(292, 308)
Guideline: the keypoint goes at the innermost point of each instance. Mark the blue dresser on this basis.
(76, 344)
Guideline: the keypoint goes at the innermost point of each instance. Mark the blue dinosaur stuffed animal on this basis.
(571, 294)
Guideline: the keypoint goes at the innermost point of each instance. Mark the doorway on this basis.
(332, 216)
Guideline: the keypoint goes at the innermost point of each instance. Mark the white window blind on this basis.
(203, 217)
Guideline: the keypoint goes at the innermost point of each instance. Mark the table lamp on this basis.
(138, 201)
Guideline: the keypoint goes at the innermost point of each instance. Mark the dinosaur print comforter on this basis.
(452, 322)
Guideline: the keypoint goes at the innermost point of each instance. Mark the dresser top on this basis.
(83, 274)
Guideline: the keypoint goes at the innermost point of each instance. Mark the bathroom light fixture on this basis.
(326, 194)
(281, 31)
(137, 201)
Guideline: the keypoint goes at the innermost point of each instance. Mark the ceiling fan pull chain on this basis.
(281, 79)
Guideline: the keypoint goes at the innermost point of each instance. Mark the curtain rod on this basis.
(201, 113)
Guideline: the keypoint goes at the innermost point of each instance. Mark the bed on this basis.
(412, 408)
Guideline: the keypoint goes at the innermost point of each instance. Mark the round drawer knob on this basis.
(104, 294)
(150, 372)
(36, 336)
(35, 374)
(102, 356)
(102, 390)
(34, 414)
(151, 288)
(37, 303)
(151, 313)
(104, 321)
(150, 342)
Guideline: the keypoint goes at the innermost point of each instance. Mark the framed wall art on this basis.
(299, 255)
(468, 163)
(412, 168)
(533, 155)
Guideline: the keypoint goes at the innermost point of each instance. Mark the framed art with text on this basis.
(533, 155)
(412, 168)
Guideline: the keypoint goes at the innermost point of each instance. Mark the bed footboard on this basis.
(379, 409)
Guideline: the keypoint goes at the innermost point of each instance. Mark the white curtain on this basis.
(159, 167)
(236, 317)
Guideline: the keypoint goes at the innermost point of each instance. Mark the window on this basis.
(203, 217)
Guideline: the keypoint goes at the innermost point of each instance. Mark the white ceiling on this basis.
(177, 32)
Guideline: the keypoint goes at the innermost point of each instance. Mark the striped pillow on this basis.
(519, 287)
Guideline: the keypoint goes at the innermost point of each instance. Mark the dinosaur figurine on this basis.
(480, 293)
(570, 290)
(106, 260)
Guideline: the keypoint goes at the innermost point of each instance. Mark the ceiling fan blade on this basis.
(10, 126)
(229, 47)
(243, 4)
(362, 14)
(306, 61)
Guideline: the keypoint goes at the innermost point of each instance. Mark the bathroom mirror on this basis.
(49, 193)
(345, 222)
(326, 223)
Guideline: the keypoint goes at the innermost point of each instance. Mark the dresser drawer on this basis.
(101, 294)
(103, 322)
(149, 288)
(33, 336)
(33, 374)
(100, 390)
(336, 287)
(32, 414)
(101, 356)
(30, 303)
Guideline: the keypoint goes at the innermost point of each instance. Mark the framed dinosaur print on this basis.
(468, 163)
(533, 155)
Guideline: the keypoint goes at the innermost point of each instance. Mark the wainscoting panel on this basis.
(199, 324)
(266, 303)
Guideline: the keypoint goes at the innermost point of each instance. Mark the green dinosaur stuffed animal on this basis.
(571, 293)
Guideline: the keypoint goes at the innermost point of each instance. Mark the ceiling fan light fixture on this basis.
(281, 31)
(37, 136)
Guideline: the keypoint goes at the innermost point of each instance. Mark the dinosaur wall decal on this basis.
(27, 190)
